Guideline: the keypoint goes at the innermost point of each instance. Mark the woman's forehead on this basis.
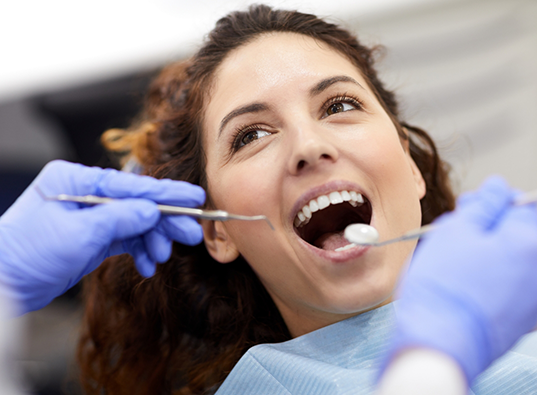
(280, 58)
(271, 65)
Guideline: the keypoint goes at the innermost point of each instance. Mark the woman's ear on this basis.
(218, 242)
(421, 187)
(405, 141)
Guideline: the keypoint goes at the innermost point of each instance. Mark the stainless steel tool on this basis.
(214, 215)
(363, 234)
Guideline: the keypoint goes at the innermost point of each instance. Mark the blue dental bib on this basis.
(343, 358)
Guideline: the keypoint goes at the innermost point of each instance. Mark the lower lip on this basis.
(336, 256)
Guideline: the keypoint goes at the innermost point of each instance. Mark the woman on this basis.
(281, 114)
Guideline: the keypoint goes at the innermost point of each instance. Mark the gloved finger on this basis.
(60, 176)
(158, 246)
(118, 184)
(466, 197)
(119, 220)
(73, 178)
(181, 228)
(487, 205)
(519, 225)
(116, 248)
(144, 264)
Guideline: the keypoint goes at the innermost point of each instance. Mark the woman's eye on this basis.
(252, 135)
(339, 107)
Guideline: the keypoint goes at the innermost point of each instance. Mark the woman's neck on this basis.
(308, 320)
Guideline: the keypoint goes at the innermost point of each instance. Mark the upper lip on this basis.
(324, 189)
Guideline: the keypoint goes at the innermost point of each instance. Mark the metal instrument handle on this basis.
(212, 215)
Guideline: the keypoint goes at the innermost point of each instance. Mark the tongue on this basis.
(331, 241)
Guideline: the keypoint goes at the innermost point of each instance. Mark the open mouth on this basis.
(323, 220)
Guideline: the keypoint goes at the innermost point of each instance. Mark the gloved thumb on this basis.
(519, 226)
(485, 206)
(120, 220)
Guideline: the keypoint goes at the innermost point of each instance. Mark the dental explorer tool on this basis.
(213, 215)
(367, 235)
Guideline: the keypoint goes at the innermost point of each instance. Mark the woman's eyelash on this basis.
(344, 98)
(239, 134)
(242, 130)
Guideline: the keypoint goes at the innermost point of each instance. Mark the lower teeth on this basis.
(347, 247)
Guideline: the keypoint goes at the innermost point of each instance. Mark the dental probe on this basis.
(367, 235)
(213, 215)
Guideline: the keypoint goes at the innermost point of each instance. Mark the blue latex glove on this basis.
(47, 246)
(471, 290)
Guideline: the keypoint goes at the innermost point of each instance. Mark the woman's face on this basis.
(291, 126)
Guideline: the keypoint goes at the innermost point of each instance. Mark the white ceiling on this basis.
(54, 43)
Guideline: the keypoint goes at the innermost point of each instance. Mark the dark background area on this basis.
(77, 117)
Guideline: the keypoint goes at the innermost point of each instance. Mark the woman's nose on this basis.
(310, 148)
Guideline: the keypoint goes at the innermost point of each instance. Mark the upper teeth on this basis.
(323, 201)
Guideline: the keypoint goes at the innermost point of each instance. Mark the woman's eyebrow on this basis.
(248, 108)
(326, 83)
(258, 107)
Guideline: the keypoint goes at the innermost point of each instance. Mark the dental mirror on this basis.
(361, 234)
(366, 235)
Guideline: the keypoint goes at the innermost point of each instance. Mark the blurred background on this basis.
(466, 71)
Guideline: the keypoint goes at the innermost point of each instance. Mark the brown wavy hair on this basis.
(184, 329)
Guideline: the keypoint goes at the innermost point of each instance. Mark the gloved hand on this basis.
(471, 290)
(47, 246)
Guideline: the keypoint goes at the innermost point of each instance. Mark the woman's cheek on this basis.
(248, 185)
